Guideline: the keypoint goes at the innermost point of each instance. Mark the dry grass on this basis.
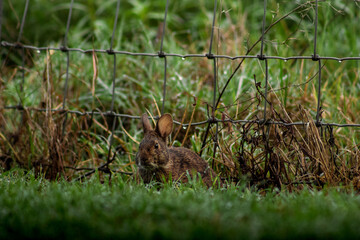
(287, 156)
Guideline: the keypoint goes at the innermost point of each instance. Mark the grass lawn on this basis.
(36, 208)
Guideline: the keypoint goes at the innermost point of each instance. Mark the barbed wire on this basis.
(163, 55)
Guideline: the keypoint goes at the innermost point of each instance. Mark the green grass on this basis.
(38, 209)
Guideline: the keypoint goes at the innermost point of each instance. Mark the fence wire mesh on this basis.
(266, 120)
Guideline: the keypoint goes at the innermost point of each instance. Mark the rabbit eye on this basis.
(156, 145)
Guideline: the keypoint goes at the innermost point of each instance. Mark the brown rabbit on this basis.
(156, 160)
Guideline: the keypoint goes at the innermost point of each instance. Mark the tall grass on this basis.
(288, 157)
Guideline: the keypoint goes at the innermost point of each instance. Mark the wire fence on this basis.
(217, 93)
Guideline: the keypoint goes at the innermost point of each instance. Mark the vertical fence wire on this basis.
(214, 88)
(113, 85)
(162, 55)
(215, 143)
(22, 52)
(66, 79)
(68, 24)
(112, 116)
(212, 29)
(48, 102)
(318, 109)
(1, 16)
(315, 31)
(23, 21)
(64, 48)
(316, 58)
(263, 58)
(210, 56)
(212, 120)
(164, 86)
(263, 32)
(115, 24)
(264, 121)
(266, 87)
(22, 82)
(215, 139)
(65, 93)
(22, 49)
(111, 52)
(164, 27)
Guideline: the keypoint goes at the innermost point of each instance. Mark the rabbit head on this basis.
(153, 152)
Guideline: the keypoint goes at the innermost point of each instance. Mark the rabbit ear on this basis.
(164, 125)
(145, 122)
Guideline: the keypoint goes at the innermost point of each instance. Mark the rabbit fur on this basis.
(156, 161)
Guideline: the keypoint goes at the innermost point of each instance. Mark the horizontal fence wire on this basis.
(205, 55)
(211, 119)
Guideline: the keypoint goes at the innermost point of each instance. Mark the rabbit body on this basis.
(156, 161)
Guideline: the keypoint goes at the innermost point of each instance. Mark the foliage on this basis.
(290, 155)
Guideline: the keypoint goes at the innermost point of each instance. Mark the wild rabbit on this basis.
(157, 161)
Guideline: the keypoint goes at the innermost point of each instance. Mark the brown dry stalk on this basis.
(10, 146)
(318, 149)
(188, 127)
(181, 124)
(122, 143)
(95, 74)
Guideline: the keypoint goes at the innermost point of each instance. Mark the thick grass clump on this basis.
(38, 209)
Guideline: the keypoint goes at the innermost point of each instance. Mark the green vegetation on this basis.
(38, 209)
(266, 156)
(287, 182)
